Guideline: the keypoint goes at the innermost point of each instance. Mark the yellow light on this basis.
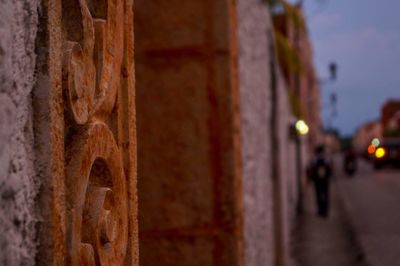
(380, 153)
(371, 149)
(302, 127)
(376, 142)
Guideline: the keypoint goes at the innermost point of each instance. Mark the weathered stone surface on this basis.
(255, 95)
(85, 110)
(18, 186)
(171, 24)
(269, 198)
(189, 159)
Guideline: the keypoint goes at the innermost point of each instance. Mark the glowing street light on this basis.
(302, 128)
(371, 149)
(380, 153)
(376, 142)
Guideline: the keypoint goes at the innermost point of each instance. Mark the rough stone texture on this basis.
(18, 187)
(257, 150)
(86, 134)
(189, 162)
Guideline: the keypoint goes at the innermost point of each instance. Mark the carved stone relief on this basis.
(97, 220)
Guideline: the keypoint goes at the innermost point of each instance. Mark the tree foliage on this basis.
(288, 56)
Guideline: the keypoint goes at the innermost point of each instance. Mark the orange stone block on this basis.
(190, 205)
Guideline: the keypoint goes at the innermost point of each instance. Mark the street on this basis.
(364, 224)
(371, 201)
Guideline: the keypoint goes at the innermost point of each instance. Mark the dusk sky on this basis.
(363, 37)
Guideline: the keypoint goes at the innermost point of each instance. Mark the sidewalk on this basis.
(325, 241)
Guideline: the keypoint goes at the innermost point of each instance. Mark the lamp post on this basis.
(333, 68)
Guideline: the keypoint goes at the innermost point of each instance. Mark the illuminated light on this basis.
(380, 153)
(376, 142)
(302, 127)
(371, 149)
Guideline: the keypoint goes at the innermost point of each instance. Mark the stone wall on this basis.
(267, 222)
(18, 187)
(190, 154)
(255, 95)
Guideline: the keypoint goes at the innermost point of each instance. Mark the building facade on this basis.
(365, 134)
(391, 118)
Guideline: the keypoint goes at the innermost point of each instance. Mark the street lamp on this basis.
(333, 70)
(301, 127)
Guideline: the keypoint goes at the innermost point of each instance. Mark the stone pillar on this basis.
(190, 206)
(85, 133)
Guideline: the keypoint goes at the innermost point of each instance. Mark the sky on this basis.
(363, 38)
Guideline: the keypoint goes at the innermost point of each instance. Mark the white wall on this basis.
(255, 93)
(257, 149)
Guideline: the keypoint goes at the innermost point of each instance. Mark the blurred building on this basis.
(332, 142)
(365, 134)
(391, 118)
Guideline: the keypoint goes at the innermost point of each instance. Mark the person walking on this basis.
(320, 171)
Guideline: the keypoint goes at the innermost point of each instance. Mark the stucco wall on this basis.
(255, 94)
(255, 91)
(18, 189)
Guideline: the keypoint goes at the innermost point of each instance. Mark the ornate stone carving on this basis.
(97, 220)
(98, 223)
(92, 69)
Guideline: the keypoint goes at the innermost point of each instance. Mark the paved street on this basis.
(325, 241)
(372, 202)
(364, 225)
